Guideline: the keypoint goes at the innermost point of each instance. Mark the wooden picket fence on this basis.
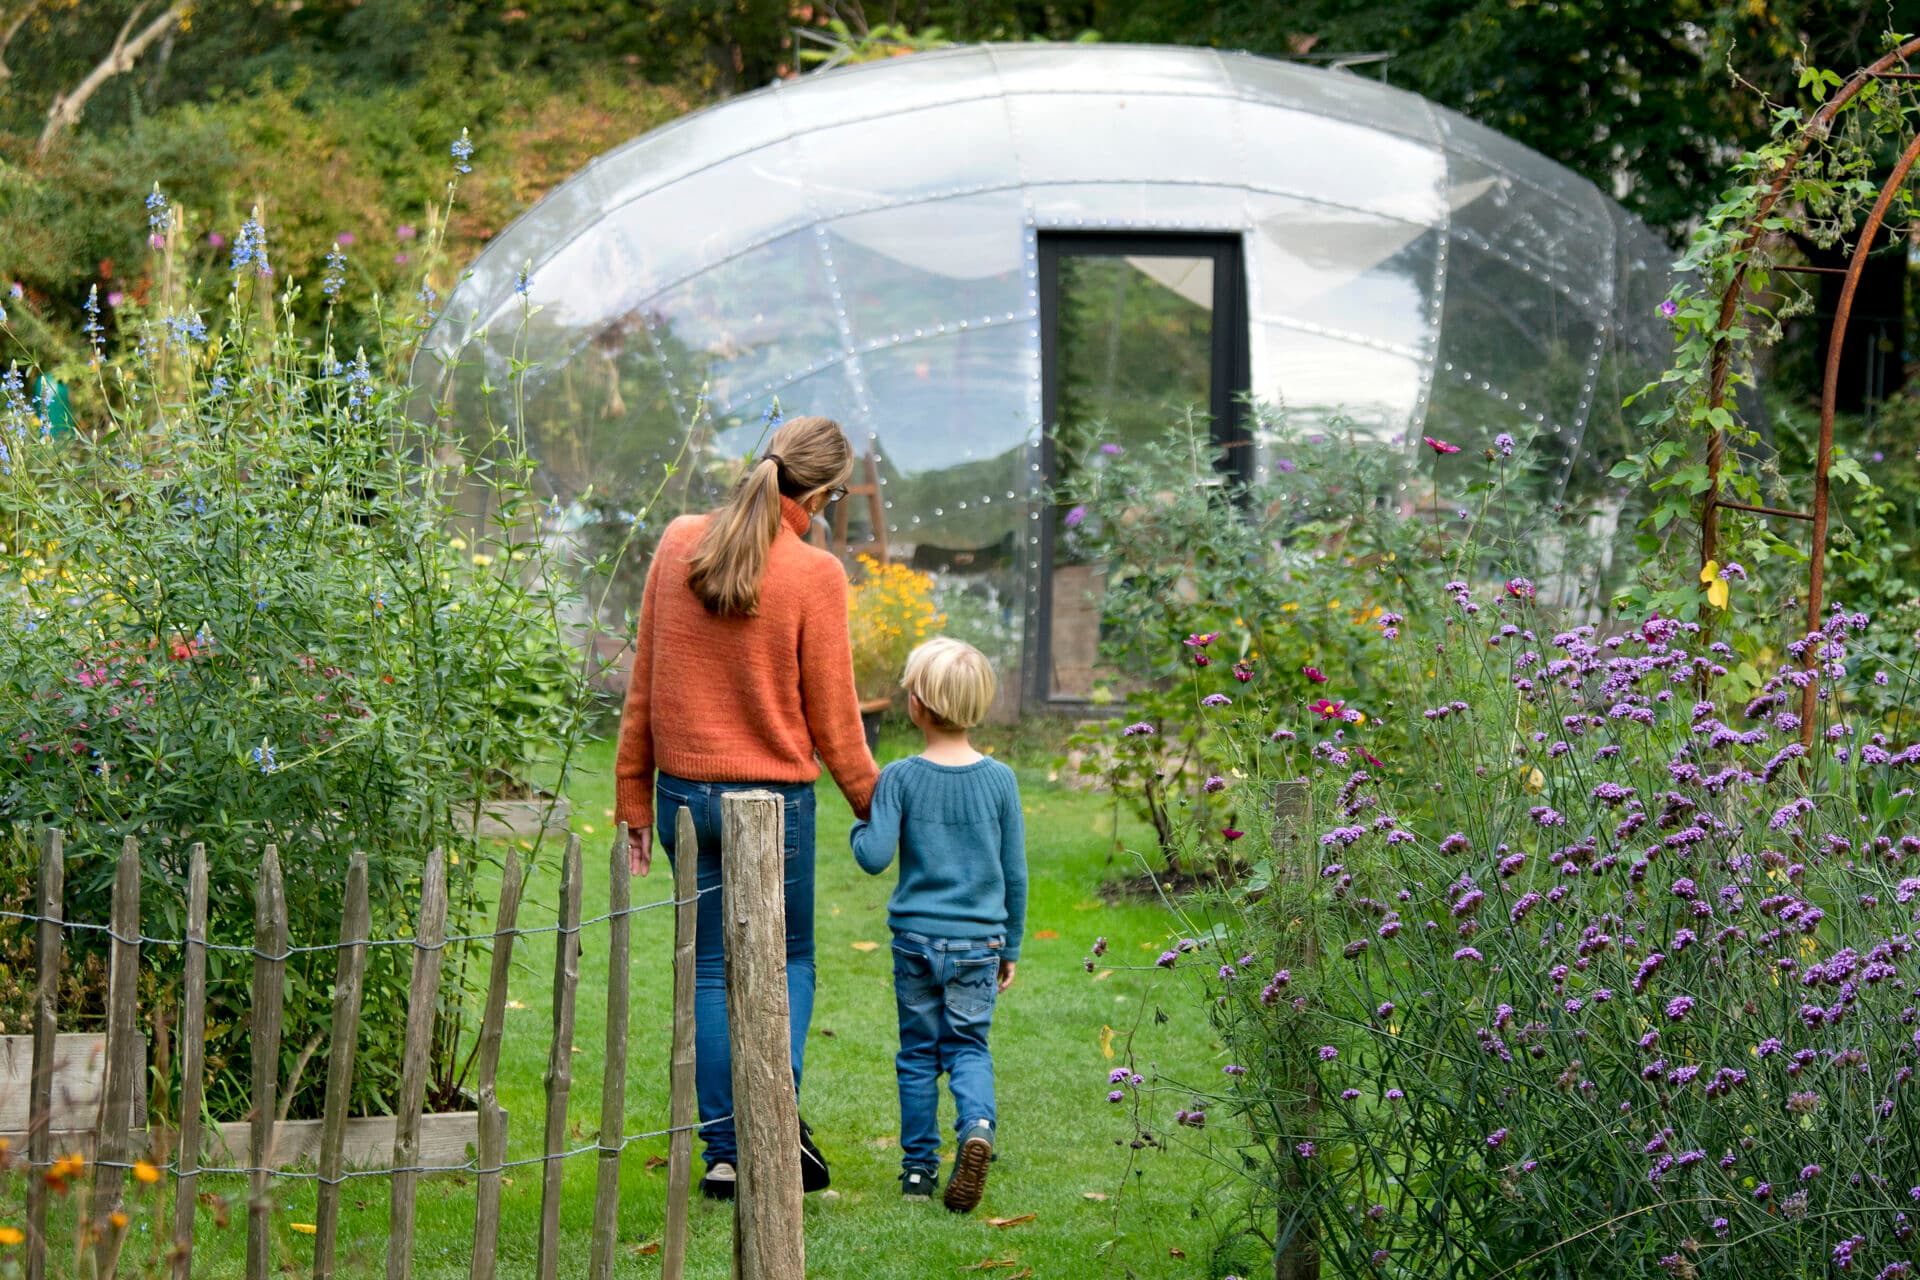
(768, 1243)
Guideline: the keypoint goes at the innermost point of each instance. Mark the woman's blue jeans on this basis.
(713, 1056)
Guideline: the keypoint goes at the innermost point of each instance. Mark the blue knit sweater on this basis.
(963, 849)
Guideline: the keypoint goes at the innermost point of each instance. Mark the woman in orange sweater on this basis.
(742, 675)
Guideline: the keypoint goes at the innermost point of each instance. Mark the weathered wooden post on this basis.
(683, 1104)
(492, 1148)
(768, 1238)
(1297, 1255)
(114, 1133)
(193, 1065)
(423, 1002)
(566, 980)
(356, 922)
(269, 993)
(613, 1081)
(49, 905)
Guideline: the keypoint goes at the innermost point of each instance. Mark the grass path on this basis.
(1058, 1147)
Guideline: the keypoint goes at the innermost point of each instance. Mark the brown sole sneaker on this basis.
(968, 1181)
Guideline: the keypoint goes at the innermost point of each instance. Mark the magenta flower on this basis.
(405, 232)
(1314, 675)
(1329, 710)
(400, 259)
(1231, 834)
(1440, 446)
(1669, 309)
(1243, 671)
(1075, 516)
(215, 239)
(1111, 450)
(1520, 588)
(1201, 641)
(115, 298)
(344, 239)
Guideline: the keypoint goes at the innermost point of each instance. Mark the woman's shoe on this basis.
(814, 1175)
(969, 1180)
(719, 1182)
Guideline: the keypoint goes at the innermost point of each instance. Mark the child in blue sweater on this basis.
(957, 915)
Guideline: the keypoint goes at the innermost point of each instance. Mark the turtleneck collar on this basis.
(795, 517)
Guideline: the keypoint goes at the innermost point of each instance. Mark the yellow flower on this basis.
(12, 1235)
(304, 1228)
(482, 559)
(1717, 589)
(144, 1172)
(118, 1219)
(458, 544)
(1533, 778)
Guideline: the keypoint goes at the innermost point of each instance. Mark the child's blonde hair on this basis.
(953, 681)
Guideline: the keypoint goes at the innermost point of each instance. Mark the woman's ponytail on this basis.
(804, 456)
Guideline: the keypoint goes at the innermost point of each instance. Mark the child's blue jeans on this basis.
(945, 989)
(712, 1049)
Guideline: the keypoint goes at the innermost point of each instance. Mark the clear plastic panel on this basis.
(1342, 270)
(1104, 137)
(1319, 382)
(1504, 331)
(1556, 182)
(1144, 206)
(1132, 70)
(690, 144)
(1313, 157)
(753, 323)
(876, 90)
(916, 271)
(908, 156)
(1339, 95)
(1567, 245)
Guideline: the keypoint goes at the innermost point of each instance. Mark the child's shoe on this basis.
(814, 1175)
(719, 1182)
(918, 1184)
(969, 1180)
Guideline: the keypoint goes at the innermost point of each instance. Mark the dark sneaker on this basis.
(719, 1182)
(969, 1180)
(813, 1166)
(918, 1184)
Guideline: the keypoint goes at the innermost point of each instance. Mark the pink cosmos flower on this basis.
(1231, 834)
(405, 232)
(1329, 710)
(1314, 675)
(216, 240)
(1201, 641)
(1440, 446)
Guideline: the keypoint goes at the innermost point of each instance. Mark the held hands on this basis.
(1006, 974)
(639, 850)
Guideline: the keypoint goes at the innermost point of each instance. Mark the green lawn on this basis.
(1058, 1132)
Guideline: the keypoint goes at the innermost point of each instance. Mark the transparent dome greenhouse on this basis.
(964, 256)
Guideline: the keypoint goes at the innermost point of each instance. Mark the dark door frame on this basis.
(1230, 382)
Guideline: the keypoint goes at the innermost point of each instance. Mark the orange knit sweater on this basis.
(743, 699)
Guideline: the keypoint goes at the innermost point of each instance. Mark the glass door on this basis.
(1136, 332)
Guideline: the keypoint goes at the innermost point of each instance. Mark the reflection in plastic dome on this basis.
(948, 251)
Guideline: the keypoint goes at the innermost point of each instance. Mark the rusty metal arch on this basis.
(1889, 67)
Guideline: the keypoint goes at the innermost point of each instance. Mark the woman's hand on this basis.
(639, 850)
(1006, 973)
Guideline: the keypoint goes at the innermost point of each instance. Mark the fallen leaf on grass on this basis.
(1022, 1274)
(1106, 1042)
(1176, 1252)
(515, 1004)
(866, 946)
(1004, 1223)
(1093, 1195)
(656, 1162)
(1103, 975)
(648, 1249)
(1046, 935)
(829, 1033)
(989, 1264)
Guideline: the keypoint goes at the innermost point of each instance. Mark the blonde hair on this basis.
(803, 457)
(953, 680)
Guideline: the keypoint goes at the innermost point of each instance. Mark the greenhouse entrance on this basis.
(1136, 332)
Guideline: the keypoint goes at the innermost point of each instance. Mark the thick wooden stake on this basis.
(1298, 1256)
(115, 1131)
(356, 922)
(492, 1149)
(768, 1241)
(613, 1084)
(423, 1000)
(193, 1065)
(49, 904)
(683, 1104)
(566, 978)
(269, 991)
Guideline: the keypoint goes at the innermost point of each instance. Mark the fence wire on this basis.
(469, 1166)
(534, 931)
